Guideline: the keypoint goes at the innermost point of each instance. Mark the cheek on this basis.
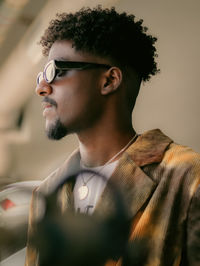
(72, 103)
(78, 97)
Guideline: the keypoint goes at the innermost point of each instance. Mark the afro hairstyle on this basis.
(106, 33)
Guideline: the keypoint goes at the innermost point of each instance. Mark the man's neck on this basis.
(97, 149)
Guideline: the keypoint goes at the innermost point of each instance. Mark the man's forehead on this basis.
(63, 50)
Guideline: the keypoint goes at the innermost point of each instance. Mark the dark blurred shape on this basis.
(76, 239)
(136, 253)
(193, 231)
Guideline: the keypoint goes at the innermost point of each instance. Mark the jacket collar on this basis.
(149, 147)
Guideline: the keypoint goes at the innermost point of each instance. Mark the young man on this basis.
(97, 60)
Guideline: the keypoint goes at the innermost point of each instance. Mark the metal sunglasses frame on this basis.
(65, 65)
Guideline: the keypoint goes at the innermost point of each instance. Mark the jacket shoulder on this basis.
(183, 162)
(178, 154)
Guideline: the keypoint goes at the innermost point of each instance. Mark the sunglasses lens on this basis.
(49, 72)
(39, 77)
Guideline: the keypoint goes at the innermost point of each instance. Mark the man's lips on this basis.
(48, 103)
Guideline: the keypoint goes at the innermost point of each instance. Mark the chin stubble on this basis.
(56, 131)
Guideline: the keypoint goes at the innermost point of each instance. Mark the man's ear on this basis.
(112, 80)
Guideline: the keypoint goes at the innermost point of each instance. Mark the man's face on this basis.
(73, 101)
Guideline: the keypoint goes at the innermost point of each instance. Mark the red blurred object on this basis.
(7, 204)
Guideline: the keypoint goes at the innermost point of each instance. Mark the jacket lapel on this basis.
(135, 186)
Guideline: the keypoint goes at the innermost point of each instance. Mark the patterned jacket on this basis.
(159, 180)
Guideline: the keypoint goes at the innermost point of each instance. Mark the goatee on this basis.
(56, 131)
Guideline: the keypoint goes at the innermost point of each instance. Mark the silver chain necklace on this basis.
(84, 190)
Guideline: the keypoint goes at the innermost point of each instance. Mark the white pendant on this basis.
(83, 192)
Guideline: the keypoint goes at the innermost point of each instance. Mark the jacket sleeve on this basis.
(193, 231)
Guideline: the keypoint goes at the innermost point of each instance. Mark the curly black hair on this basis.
(106, 33)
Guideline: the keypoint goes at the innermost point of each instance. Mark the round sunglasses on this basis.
(54, 67)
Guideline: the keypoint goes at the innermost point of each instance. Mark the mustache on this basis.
(49, 100)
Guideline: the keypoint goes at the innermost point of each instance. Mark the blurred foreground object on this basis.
(14, 210)
(76, 239)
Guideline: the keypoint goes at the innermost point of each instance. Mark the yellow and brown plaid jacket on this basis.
(160, 183)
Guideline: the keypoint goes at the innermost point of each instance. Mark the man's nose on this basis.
(43, 88)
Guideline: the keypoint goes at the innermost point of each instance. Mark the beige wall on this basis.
(171, 100)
